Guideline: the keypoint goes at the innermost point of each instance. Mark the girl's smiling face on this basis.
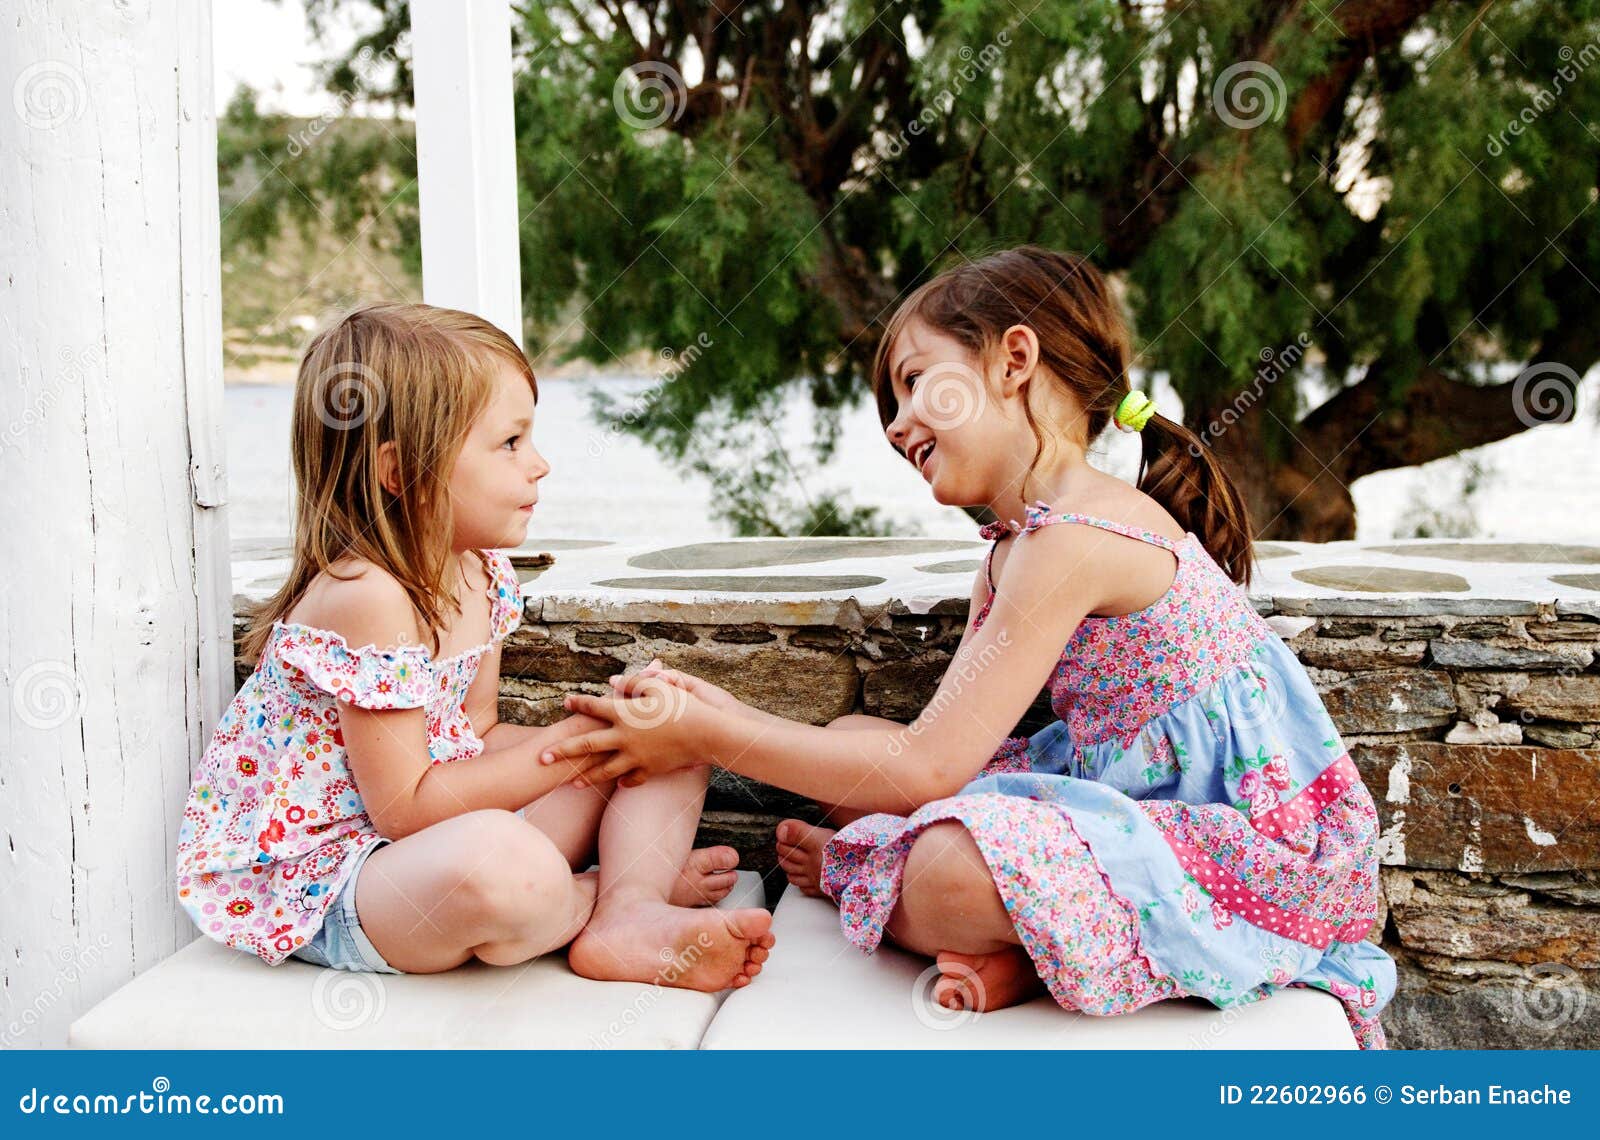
(495, 482)
(954, 422)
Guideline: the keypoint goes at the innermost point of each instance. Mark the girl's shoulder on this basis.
(354, 635)
(1115, 502)
(361, 602)
(1108, 573)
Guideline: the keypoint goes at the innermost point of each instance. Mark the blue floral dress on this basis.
(1190, 825)
(274, 820)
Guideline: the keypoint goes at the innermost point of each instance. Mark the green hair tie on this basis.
(1134, 411)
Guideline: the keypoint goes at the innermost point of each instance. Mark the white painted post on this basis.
(466, 158)
(114, 577)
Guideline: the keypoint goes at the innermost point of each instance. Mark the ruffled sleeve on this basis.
(368, 677)
(505, 608)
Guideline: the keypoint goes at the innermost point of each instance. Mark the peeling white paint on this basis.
(1392, 843)
(1537, 835)
(116, 545)
(1399, 791)
(1472, 850)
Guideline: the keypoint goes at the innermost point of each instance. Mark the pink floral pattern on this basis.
(1209, 739)
(1119, 673)
(1082, 936)
(274, 817)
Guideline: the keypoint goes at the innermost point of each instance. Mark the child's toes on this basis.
(714, 860)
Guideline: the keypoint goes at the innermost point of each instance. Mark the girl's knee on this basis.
(944, 862)
(509, 870)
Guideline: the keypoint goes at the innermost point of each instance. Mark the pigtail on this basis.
(1180, 472)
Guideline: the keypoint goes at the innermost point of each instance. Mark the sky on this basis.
(269, 46)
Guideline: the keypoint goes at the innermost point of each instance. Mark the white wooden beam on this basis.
(466, 158)
(114, 592)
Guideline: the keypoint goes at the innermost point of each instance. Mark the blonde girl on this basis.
(361, 805)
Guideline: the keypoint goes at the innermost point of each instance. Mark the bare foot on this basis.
(646, 940)
(800, 854)
(707, 876)
(982, 982)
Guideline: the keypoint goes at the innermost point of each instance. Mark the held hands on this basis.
(658, 723)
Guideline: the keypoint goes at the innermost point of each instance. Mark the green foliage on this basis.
(823, 159)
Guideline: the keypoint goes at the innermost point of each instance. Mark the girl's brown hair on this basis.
(1084, 346)
(414, 375)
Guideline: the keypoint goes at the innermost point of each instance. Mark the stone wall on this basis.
(1477, 736)
(1474, 718)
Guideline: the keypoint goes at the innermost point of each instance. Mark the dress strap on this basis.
(1039, 514)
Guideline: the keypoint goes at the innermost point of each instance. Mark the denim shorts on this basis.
(340, 942)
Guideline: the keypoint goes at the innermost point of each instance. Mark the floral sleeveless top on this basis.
(274, 820)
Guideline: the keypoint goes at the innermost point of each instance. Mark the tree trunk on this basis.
(1291, 499)
(116, 603)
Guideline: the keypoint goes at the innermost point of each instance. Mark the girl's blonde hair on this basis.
(416, 376)
(1084, 347)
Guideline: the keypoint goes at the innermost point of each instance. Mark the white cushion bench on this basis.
(819, 992)
(207, 996)
(815, 992)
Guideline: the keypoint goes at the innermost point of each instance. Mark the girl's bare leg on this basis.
(570, 817)
(950, 910)
(799, 843)
(483, 884)
(636, 933)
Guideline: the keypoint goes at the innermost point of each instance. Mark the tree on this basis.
(1398, 191)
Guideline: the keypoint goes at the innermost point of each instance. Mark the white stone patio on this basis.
(855, 582)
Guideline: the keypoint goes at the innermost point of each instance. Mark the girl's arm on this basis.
(402, 789)
(1051, 582)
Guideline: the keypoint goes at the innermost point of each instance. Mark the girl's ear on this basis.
(389, 467)
(1019, 356)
